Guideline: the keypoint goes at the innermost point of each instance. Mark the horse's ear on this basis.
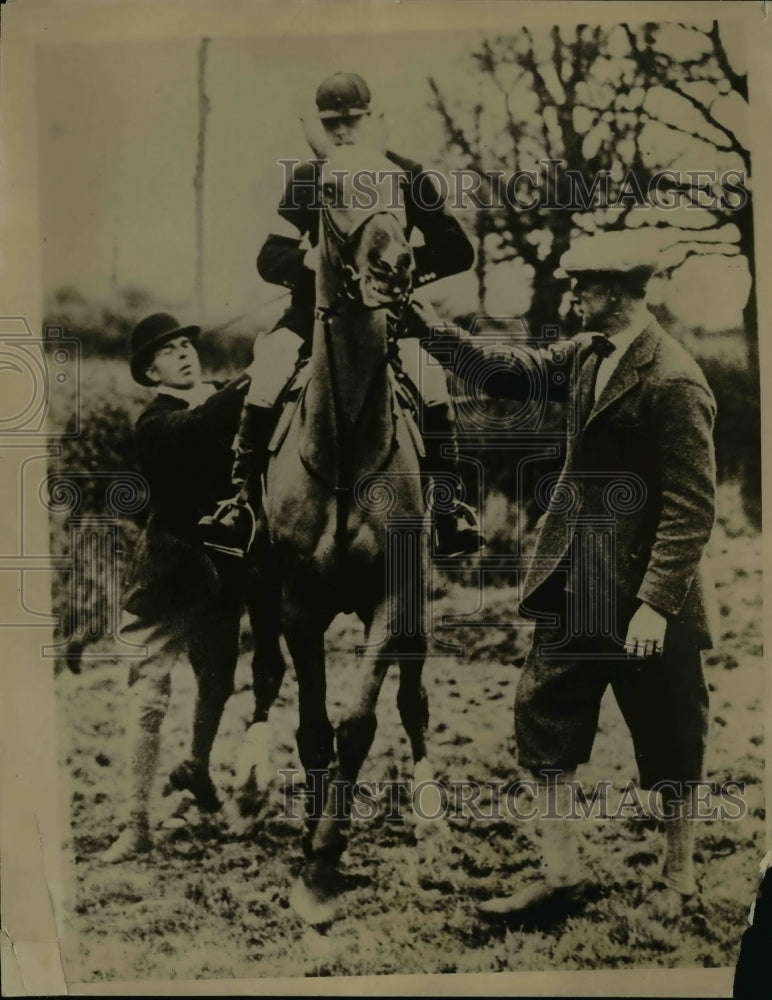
(316, 138)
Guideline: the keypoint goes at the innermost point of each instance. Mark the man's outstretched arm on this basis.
(505, 371)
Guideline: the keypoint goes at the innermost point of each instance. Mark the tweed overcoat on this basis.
(640, 458)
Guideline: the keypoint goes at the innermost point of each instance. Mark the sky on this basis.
(117, 126)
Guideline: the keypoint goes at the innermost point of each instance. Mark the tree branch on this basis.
(706, 112)
(456, 134)
(738, 81)
(734, 146)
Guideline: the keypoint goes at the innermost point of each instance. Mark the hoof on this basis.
(187, 777)
(250, 802)
(69, 658)
(237, 822)
(311, 906)
(429, 800)
(253, 770)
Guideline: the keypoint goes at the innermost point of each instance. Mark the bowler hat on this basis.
(343, 95)
(150, 334)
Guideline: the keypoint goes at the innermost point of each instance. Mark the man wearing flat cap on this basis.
(289, 257)
(617, 583)
(176, 601)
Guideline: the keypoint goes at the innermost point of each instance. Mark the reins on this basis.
(349, 292)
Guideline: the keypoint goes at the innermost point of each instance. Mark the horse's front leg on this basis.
(413, 705)
(315, 734)
(434, 839)
(314, 895)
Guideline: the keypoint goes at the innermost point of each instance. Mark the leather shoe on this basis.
(538, 900)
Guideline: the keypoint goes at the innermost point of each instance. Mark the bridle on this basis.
(345, 244)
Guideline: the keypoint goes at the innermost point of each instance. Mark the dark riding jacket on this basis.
(186, 456)
(446, 248)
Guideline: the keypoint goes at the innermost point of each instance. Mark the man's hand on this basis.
(646, 633)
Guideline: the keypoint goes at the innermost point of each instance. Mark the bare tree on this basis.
(535, 80)
(582, 110)
(590, 116)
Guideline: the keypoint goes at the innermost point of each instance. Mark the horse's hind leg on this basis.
(434, 840)
(413, 705)
(253, 761)
(213, 648)
(263, 599)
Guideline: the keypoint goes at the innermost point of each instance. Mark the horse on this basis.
(343, 495)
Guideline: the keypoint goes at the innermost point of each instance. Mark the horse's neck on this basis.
(348, 423)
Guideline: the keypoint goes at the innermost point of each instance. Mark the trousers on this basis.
(664, 701)
(276, 353)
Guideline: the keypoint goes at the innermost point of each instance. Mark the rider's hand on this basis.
(432, 320)
(646, 632)
(427, 312)
(311, 259)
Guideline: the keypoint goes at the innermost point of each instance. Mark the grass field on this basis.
(211, 901)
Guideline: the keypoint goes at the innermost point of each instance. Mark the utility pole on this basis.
(198, 177)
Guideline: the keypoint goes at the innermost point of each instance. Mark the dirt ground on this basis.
(210, 901)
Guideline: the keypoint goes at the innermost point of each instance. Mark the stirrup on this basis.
(216, 519)
(465, 532)
(468, 513)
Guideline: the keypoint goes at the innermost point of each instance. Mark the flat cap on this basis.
(616, 252)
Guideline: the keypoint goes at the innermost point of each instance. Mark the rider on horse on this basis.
(343, 103)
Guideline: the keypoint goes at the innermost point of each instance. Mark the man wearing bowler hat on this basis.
(176, 600)
(618, 582)
(288, 257)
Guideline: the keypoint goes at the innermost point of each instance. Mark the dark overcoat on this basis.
(185, 454)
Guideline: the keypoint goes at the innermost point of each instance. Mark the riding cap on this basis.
(343, 95)
(151, 333)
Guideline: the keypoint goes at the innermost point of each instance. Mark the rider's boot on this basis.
(457, 526)
(231, 528)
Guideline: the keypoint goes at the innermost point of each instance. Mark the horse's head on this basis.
(363, 277)
(364, 224)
